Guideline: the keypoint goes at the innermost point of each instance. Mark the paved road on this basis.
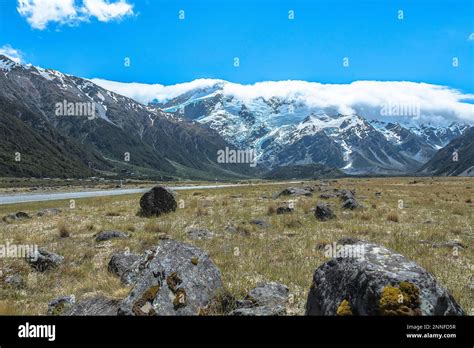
(40, 197)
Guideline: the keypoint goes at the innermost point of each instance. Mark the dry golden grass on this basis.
(435, 209)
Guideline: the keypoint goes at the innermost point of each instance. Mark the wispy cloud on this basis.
(438, 104)
(471, 37)
(39, 13)
(12, 53)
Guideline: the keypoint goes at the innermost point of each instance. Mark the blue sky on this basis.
(164, 49)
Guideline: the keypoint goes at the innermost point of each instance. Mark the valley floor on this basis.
(433, 209)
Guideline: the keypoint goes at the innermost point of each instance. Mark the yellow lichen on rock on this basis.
(344, 308)
(403, 300)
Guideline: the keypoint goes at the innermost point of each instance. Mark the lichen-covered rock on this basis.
(106, 235)
(61, 304)
(377, 281)
(344, 194)
(173, 279)
(265, 299)
(44, 260)
(351, 203)
(97, 305)
(294, 191)
(121, 262)
(14, 280)
(323, 212)
(157, 201)
(199, 233)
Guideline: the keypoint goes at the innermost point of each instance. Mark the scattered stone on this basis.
(378, 194)
(43, 260)
(14, 280)
(373, 284)
(16, 216)
(167, 283)
(107, 235)
(351, 203)
(260, 222)
(344, 194)
(60, 304)
(97, 305)
(199, 233)
(323, 212)
(294, 191)
(448, 244)
(327, 195)
(157, 201)
(49, 212)
(265, 299)
(284, 210)
(121, 262)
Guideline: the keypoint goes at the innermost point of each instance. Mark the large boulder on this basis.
(97, 305)
(351, 203)
(368, 279)
(122, 262)
(174, 279)
(323, 212)
(44, 260)
(157, 201)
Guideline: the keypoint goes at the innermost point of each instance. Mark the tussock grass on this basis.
(287, 251)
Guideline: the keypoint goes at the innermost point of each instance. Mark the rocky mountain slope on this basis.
(117, 135)
(289, 131)
(457, 158)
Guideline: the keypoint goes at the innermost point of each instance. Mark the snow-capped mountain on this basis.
(291, 130)
(120, 137)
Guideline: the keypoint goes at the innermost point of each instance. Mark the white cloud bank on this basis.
(437, 104)
(12, 53)
(39, 13)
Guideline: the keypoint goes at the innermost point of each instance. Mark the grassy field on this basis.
(434, 209)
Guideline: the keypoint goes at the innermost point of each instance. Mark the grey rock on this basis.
(43, 260)
(260, 222)
(272, 293)
(106, 235)
(448, 244)
(327, 195)
(157, 201)
(294, 191)
(265, 299)
(361, 280)
(14, 280)
(60, 304)
(99, 305)
(260, 311)
(323, 212)
(284, 210)
(199, 233)
(49, 212)
(351, 203)
(344, 194)
(174, 279)
(121, 262)
(16, 216)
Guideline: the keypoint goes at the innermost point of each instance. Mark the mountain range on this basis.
(179, 138)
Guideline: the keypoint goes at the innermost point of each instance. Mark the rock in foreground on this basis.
(323, 212)
(157, 201)
(43, 260)
(98, 305)
(174, 279)
(265, 299)
(376, 281)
